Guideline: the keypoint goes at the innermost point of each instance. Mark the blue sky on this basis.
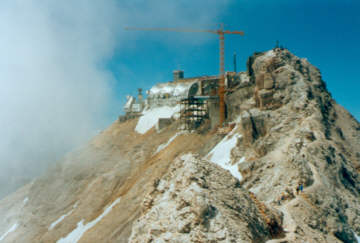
(325, 32)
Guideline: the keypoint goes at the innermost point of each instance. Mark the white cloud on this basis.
(55, 90)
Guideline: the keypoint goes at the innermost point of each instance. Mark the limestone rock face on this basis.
(268, 81)
(196, 201)
(241, 184)
(292, 135)
(253, 125)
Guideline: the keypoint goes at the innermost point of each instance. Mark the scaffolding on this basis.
(193, 112)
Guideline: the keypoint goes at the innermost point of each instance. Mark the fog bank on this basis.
(55, 90)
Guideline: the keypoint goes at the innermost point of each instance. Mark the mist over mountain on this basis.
(57, 91)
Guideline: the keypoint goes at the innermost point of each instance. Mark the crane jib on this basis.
(221, 32)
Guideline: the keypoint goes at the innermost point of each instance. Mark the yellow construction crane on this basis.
(221, 32)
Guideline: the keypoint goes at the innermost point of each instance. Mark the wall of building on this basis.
(214, 112)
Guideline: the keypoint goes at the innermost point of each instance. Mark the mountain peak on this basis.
(284, 168)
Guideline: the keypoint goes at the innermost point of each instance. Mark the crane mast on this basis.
(221, 32)
(221, 90)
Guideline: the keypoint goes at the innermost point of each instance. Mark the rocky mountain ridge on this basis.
(166, 186)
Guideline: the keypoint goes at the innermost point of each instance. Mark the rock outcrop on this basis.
(197, 200)
(295, 134)
(297, 151)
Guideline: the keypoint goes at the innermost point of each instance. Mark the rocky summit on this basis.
(284, 168)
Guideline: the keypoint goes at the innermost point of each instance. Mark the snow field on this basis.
(151, 116)
(221, 154)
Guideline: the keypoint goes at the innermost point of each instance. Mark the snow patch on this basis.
(56, 222)
(163, 146)
(78, 232)
(151, 116)
(356, 237)
(12, 229)
(241, 160)
(26, 199)
(221, 154)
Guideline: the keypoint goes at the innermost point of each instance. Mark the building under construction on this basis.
(198, 98)
(221, 32)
